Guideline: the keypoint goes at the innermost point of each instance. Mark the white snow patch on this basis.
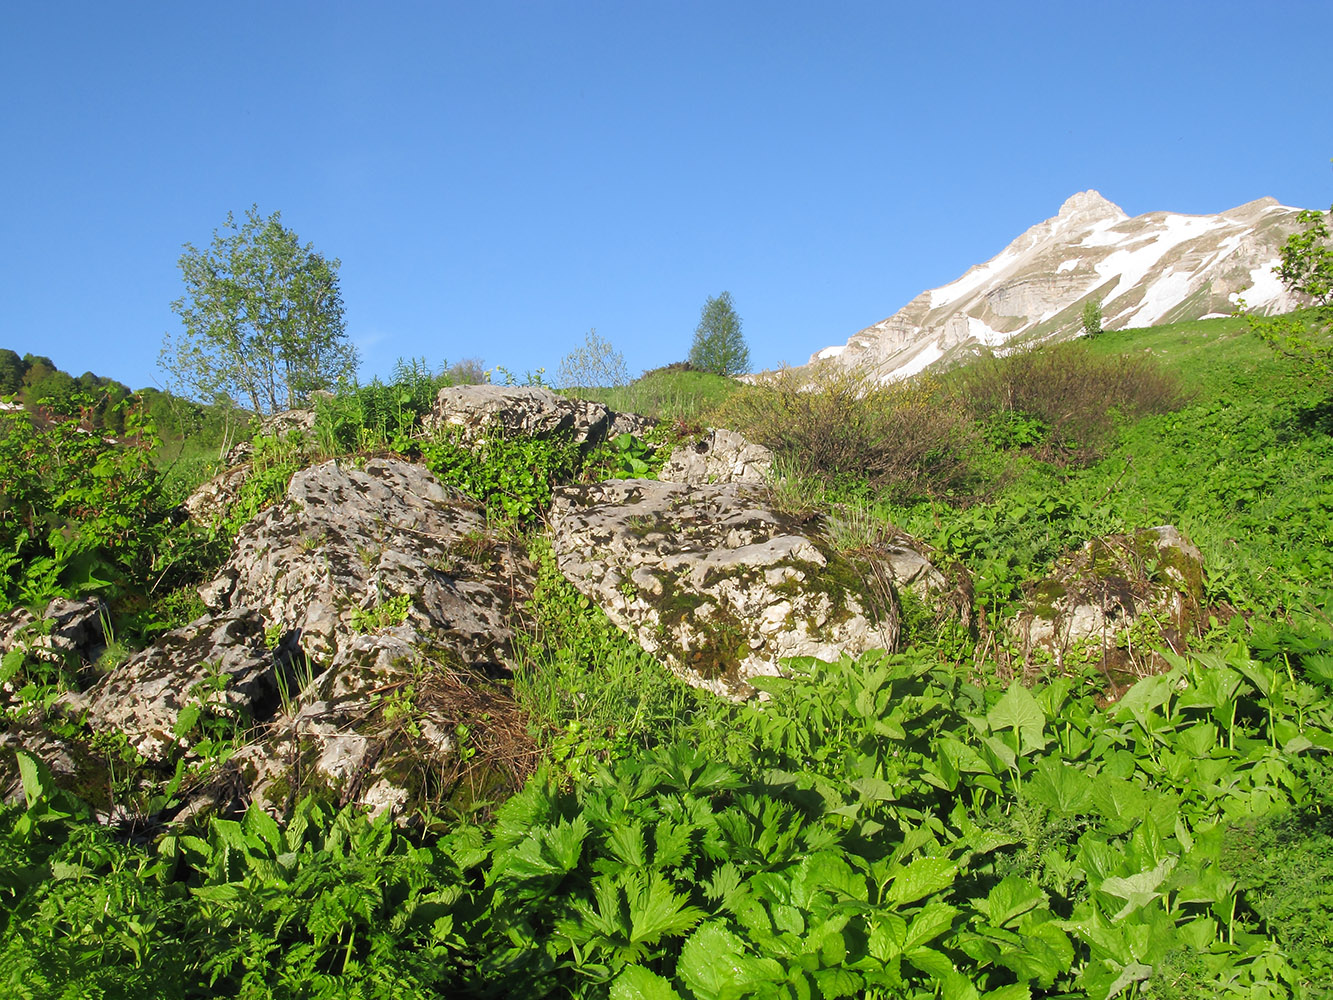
(1162, 295)
(1067, 265)
(974, 279)
(1100, 237)
(991, 338)
(831, 352)
(1215, 316)
(1265, 286)
(931, 354)
(1132, 265)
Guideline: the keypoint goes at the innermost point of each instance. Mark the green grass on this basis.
(1244, 467)
(667, 394)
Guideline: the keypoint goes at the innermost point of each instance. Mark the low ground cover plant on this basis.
(895, 831)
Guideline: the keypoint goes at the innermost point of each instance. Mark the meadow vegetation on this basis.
(921, 824)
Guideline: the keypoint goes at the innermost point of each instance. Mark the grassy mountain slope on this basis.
(905, 826)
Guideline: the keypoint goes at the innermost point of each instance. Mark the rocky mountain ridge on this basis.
(1160, 267)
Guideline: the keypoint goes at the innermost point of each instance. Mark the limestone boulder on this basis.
(528, 411)
(351, 550)
(378, 727)
(1101, 599)
(713, 581)
(209, 502)
(278, 425)
(224, 666)
(68, 631)
(720, 456)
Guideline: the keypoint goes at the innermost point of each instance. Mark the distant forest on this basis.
(100, 403)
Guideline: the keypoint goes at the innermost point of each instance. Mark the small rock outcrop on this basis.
(69, 631)
(1096, 596)
(224, 666)
(277, 425)
(351, 550)
(528, 411)
(209, 502)
(720, 456)
(712, 581)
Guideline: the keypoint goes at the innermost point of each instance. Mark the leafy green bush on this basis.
(80, 513)
(907, 440)
(513, 477)
(894, 830)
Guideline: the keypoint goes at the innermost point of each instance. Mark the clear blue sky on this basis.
(497, 178)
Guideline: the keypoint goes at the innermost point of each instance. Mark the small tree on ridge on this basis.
(263, 318)
(1092, 317)
(718, 345)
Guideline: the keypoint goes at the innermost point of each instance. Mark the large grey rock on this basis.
(209, 502)
(347, 543)
(1098, 597)
(370, 729)
(68, 631)
(712, 581)
(720, 456)
(223, 664)
(528, 411)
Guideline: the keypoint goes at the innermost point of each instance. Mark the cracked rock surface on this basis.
(1098, 592)
(712, 581)
(528, 411)
(347, 542)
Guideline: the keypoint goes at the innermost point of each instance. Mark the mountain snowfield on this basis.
(1160, 267)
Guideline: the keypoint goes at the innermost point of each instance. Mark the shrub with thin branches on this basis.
(908, 440)
(1063, 399)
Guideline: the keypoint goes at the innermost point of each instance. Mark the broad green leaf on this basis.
(264, 826)
(1005, 756)
(1019, 711)
(929, 924)
(36, 777)
(715, 965)
(1138, 890)
(887, 936)
(655, 910)
(835, 983)
(637, 983)
(922, 877)
(1044, 952)
(929, 960)
(625, 842)
(1119, 800)
(1130, 974)
(1059, 786)
(1014, 991)
(1010, 899)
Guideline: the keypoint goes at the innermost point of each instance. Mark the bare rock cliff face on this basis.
(1160, 267)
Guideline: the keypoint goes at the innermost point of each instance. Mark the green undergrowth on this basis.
(890, 830)
(1244, 467)
(674, 393)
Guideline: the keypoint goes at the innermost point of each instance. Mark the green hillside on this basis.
(946, 821)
